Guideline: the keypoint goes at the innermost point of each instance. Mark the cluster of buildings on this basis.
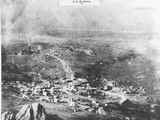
(76, 93)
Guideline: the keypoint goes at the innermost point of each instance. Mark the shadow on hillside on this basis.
(53, 117)
(78, 117)
(91, 117)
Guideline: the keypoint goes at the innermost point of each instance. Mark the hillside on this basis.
(76, 73)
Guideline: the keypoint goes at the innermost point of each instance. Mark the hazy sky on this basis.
(110, 15)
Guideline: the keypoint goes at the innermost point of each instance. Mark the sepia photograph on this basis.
(80, 60)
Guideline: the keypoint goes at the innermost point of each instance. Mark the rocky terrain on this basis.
(76, 81)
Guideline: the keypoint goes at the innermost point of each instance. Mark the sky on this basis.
(109, 15)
